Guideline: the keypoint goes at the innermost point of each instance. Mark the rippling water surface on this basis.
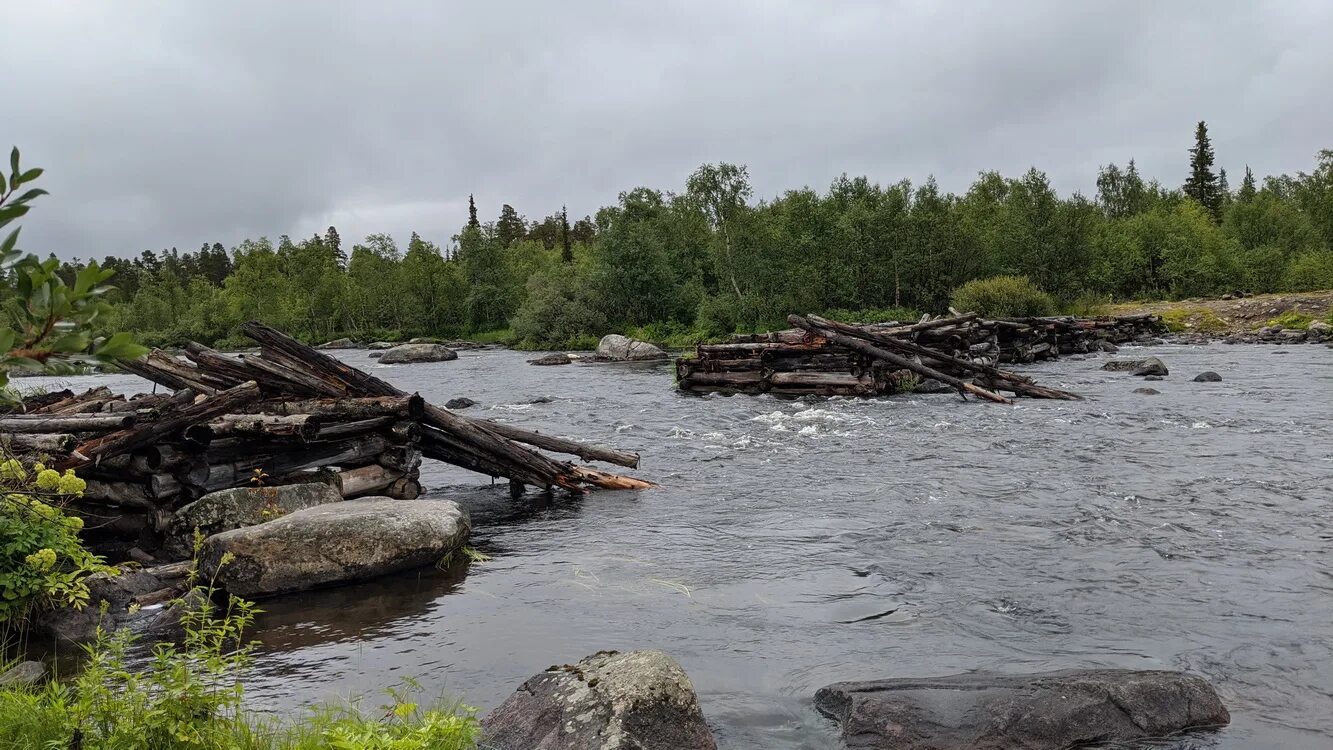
(797, 543)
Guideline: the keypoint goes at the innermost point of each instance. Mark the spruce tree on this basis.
(1202, 183)
(335, 245)
(1247, 189)
(472, 213)
(566, 244)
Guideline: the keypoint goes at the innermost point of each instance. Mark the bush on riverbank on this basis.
(190, 697)
(1003, 297)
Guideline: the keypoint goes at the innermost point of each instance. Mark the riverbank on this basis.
(1231, 316)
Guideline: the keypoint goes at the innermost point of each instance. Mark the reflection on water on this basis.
(796, 543)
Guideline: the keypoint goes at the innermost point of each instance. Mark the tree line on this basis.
(710, 259)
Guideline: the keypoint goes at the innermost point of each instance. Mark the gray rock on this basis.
(412, 353)
(931, 386)
(425, 340)
(462, 402)
(1151, 366)
(464, 345)
(1147, 391)
(1108, 347)
(1321, 328)
(618, 348)
(375, 355)
(640, 700)
(1123, 365)
(1048, 711)
(1208, 377)
(240, 507)
(556, 358)
(115, 593)
(381, 345)
(1292, 334)
(1153, 377)
(23, 674)
(338, 344)
(348, 541)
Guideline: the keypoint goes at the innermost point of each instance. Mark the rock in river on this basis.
(1208, 377)
(335, 543)
(239, 507)
(1123, 365)
(1147, 391)
(1152, 366)
(411, 353)
(381, 345)
(23, 674)
(639, 700)
(555, 358)
(621, 349)
(1047, 711)
(462, 402)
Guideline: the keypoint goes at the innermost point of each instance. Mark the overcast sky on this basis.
(173, 123)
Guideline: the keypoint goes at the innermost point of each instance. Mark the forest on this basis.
(711, 259)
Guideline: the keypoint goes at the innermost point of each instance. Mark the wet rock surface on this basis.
(1047, 711)
(404, 354)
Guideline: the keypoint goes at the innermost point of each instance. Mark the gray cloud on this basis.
(170, 124)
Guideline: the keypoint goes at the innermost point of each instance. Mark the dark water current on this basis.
(797, 543)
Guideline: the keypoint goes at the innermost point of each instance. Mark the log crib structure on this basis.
(286, 414)
(963, 352)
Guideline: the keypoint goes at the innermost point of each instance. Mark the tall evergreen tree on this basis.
(1202, 183)
(335, 245)
(566, 242)
(510, 227)
(1247, 189)
(472, 213)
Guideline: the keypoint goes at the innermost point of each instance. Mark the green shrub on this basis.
(560, 312)
(190, 697)
(42, 560)
(1003, 297)
(1292, 319)
(1309, 272)
(1087, 305)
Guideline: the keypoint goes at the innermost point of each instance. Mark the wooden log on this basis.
(404, 488)
(42, 423)
(127, 440)
(53, 442)
(366, 480)
(821, 380)
(355, 452)
(36, 403)
(301, 426)
(399, 458)
(70, 404)
(221, 366)
(751, 379)
(561, 445)
(346, 409)
(289, 379)
(342, 430)
(866, 347)
(125, 494)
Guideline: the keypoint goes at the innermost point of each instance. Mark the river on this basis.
(797, 543)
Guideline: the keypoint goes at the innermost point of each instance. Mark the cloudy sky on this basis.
(173, 123)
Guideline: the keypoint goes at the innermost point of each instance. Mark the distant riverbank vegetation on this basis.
(711, 259)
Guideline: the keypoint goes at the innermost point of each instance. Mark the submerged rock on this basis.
(1208, 377)
(338, 344)
(381, 345)
(555, 358)
(1151, 366)
(412, 353)
(108, 607)
(1153, 377)
(1148, 391)
(348, 541)
(1047, 711)
(462, 402)
(931, 385)
(618, 348)
(1108, 347)
(239, 507)
(640, 700)
(375, 355)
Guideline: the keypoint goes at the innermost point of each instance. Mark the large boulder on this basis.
(1047, 711)
(1152, 366)
(640, 700)
(374, 345)
(1208, 377)
(239, 507)
(110, 605)
(348, 541)
(338, 344)
(555, 358)
(23, 674)
(462, 402)
(411, 353)
(1123, 365)
(621, 349)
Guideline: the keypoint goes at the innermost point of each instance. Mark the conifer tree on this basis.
(1202, 183)
(566, 243)
(472, 213)
(1247, 190)
(334, 243)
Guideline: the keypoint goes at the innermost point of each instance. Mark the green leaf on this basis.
(14, 160)
(6, 340)
(30, 175)
(29, 195)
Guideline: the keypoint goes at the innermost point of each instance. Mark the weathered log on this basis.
(41, 423)
(131, 438)
(355, 452)
(365, 480)
(127, 494)
(301, 426)
(35, 403)
(751, 379)
(53, 442)
(360, 427)
(404, 489)
(289, 379)
(399, 458)
(866, 347)
(561, 445)
(821, 380)
(70, 404)
(346, 409)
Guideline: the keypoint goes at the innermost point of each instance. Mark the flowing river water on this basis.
(797, 543)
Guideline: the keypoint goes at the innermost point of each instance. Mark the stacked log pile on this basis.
(286, 414)
(964, 352)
